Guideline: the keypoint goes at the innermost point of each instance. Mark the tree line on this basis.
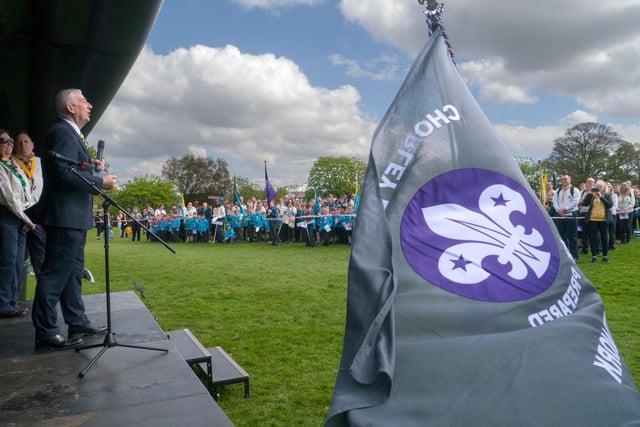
(197, 178)
(587, 150)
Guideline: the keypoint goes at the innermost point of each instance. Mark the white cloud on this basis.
(579, 116)
(275, 4)
(630, 133)
(245, 108)
(495, 84)
(384, 67)
(584, 49)
(535, 143)
(397, 23)
(224, 103)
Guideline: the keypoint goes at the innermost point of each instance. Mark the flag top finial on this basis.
(433, 14)
(432, 4)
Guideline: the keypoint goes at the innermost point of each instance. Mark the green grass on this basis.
(280, 313)
(617, 283)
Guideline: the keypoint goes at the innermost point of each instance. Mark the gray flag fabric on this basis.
(464, 308)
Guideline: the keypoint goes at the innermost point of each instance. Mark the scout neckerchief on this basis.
(29, 167)
(14, 170)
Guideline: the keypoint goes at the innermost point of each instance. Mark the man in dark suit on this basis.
(67, 203)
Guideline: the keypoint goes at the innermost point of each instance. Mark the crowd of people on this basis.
(594, 217)
(290, 219)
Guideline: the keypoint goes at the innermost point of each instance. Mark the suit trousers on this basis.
(568, 230)
(37, 243)
(60, 280)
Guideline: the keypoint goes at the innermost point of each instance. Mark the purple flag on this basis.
(271, 193)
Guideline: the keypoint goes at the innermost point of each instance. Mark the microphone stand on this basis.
(109, 339)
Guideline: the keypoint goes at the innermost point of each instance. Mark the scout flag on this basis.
(463, 307)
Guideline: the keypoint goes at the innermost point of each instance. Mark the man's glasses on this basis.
(6, 140)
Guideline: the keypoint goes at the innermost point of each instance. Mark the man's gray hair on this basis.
(63, 98)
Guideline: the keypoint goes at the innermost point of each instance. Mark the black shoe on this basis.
(87, 275)
(10, 314)
(594, 259)
(76, 331)
(584, 251)
(58, 342)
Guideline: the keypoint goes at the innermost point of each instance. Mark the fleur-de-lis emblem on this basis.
(490, 233)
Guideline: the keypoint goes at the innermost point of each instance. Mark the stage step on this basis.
(225, 371)
(218, 367)
(192, 351)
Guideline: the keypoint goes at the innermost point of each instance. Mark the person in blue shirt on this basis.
(274, 224)
(229, 234)
(245, 224)
(235, 220)
(190, 228)
(257, 222)
(325, 225)
(310, 230)
(203, 230)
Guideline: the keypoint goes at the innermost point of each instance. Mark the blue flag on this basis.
(271, 193)
(316, 206)
(464, 308)
(356, 202)
(236, 196)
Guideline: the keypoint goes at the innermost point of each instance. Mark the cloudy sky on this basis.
(288, 81)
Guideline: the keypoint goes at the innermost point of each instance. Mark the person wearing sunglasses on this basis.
(15, 198)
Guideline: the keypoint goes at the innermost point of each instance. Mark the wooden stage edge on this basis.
(125, 387)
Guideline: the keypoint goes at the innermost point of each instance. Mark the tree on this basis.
(336, 175)
(247, 190)
(531, 171)
(584, 151)
(145, 190)
(198, 177)
(626, 161)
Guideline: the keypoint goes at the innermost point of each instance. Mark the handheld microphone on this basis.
(100, 149)
(67, 160)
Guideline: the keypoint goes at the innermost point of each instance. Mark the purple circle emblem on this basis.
(480, 235)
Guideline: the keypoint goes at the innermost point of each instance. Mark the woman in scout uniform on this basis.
(15, 197)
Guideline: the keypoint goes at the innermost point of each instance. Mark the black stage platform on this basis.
(125, 387)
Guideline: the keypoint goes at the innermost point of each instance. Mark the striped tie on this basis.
(83, 140)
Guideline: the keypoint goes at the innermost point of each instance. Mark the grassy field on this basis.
(280, 313)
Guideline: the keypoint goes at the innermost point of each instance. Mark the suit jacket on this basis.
(67, 199)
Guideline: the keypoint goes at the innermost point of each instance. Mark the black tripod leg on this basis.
(89, 346)
(109, 340)
(108, 343)
(143, 347)
(94, 360)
